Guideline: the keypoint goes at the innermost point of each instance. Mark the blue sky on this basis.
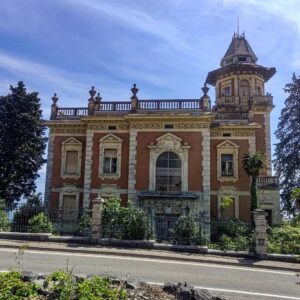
(166, 47)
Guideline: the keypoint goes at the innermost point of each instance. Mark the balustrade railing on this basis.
(71, 112)
(114, 106)
(232, 116)
(267, 181)
(175, 104)
(263, 100)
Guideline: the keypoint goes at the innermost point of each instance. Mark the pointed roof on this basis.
(239, 51)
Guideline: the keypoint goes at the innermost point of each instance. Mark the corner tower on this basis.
(240, 92)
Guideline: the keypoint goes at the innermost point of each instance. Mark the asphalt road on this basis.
(233, 282)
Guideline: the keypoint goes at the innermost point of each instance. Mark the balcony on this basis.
(267, 182)
(266, 100)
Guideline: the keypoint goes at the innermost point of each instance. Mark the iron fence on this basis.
(167, 228)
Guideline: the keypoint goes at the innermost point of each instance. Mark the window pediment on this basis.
(227, 145)
(71, 142)
(110, 138)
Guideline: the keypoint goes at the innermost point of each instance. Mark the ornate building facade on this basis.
(169, 156)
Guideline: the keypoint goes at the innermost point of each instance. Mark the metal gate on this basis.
(164, 223)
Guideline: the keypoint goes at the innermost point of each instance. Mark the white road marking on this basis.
(41, 252)
(234, 291)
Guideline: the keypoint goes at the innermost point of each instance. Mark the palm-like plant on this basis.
(253, 165)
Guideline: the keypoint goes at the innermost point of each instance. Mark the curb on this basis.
(153, 256)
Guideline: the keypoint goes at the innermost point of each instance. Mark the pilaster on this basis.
(132, 164)
(206, 171)
(268, 142)
(88, 168)
(50, 155)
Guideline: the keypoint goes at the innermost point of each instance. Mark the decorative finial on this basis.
(92, 93)
(134, 91)
(54, 99)
(98, 98)
(205, 90)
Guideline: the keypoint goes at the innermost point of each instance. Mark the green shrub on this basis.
(284, 239)
(40, 223)
(187, 231)
(233, 235)
(28, 210)
(60, 285)
(12, 287)
(124, 222)
(85, 224)
(99, 288)
(4, 222)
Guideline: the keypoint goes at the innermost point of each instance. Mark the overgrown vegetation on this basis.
(40, 224)
(187, 231)
(85, 223)
(233, 235)
(284, 239)
(124, 222)
(32, 207)
(12, 287)
(4, 222)
(61, 285)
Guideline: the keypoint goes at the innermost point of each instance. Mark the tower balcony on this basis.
(260, 100)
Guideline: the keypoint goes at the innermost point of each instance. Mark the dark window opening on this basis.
(227, 91)
(168, 173)
(112, 127)
(169, 126)
(226, 164)
(242, 59)
(226, 134)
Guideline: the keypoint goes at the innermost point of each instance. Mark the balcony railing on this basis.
(71, 112)
(267, 182)
(245, 100)
(232, 116)
(172, 104)
(114, 106)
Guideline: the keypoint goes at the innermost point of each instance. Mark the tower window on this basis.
(242, 59)
(226, 91)
(169, 126)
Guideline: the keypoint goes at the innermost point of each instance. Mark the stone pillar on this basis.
(132, 164)
(97, 217)
(260, 234)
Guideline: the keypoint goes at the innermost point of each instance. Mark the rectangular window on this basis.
(226, 165)
(226, 91)
(71, 162)
(110, 161)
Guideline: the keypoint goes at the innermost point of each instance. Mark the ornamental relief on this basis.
(233, 133)
(68, 130)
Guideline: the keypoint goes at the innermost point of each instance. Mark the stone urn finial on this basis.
(205, 90)
(54, 99)
(98, 99)
(92, 92)
(134, 91)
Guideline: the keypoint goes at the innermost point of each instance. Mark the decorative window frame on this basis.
(68, 190)
(168, 143)
(70, 144)
(228, 147)
(232, 194)
(110, 141)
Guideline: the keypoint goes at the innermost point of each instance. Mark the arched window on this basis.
(168, 173)
(244, 89)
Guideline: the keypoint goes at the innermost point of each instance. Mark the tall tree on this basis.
(22, 143)
(287, 150)
(253, 165)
